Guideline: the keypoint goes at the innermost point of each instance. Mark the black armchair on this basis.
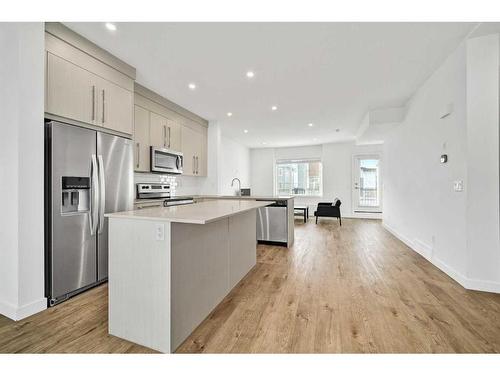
(329, 209)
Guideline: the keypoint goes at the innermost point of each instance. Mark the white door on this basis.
(367, 187)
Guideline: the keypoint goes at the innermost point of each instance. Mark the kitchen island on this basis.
(170, 267)
(288, 222)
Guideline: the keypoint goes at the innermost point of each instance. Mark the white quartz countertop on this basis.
(197, 213)
(244, 197)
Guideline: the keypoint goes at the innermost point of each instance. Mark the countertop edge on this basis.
(123, 215)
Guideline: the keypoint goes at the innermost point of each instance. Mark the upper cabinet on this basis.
(71, 90)
(115, 106)
(194, 146)
(166, 125)
(85, 83)
(141, 139)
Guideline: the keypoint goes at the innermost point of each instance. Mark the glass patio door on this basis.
(367, 184)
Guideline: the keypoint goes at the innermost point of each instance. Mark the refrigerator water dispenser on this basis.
(75, 194)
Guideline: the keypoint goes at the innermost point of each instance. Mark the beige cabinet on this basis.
(115, 106)
(165, 133)
(78, 94)
(194, 150)
(173, 128)
(174, 135)
(157, 130)
(141, 139)
(71, 90)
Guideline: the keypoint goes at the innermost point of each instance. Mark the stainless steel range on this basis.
(161, 193)
(153, 190)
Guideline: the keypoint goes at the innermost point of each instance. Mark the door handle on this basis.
(102, 193)
(94, 204)
(93, 103)
(197, 165)
(194, 164)
(103, 107)
(138, 155)
(169, 137)
(164, 136)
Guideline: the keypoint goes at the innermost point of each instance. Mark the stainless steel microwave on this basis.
(166, 161)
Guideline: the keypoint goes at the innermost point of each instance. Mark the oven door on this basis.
(166, 161)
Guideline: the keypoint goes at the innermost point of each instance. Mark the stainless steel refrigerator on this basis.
(87, 174)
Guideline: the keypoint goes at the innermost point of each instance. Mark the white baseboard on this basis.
(11, 312)
(366, 215)
(483, 285)
(399, 236)
(424, 250)
(8, 310)
(31, 308)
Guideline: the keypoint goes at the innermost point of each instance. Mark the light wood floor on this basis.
(354, 289)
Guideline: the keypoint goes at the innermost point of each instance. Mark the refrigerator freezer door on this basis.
(117, 168)
(72, 249)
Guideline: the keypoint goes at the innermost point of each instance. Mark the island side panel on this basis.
(139, 282)
(243, 246)
(200, 274)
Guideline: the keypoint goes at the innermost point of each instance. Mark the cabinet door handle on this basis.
(197, 165)
(138, 154)
(103, 106)
(194, 164)
(169, 137)
(93, 103)
(164, 136)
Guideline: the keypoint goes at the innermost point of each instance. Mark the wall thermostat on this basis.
(444, 158)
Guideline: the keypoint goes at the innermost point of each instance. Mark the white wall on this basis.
(337, 170)
(483, 243)
(262, 171)
(234, 162)
(21, 165)
(457, 231)
(420, 203)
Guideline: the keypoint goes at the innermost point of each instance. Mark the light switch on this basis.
(160, 232)
(458, 185)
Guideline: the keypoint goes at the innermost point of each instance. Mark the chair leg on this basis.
(340, 221)
(316, 220)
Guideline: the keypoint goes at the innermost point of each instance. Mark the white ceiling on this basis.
(329, 74)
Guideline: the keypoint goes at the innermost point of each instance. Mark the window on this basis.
(299, 177)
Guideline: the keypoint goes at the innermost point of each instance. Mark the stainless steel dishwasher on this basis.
(272, 225)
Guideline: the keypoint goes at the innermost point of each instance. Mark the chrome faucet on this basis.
(239, 186)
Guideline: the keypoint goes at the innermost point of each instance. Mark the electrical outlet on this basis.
(160, 232)
(458, 185)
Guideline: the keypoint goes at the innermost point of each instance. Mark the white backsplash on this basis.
(179, 185)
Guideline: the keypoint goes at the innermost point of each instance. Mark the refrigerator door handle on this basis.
(102, 193)
(95, 196)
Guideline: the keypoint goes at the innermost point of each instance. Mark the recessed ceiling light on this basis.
(192, 86)
(245, 131)
(337, 130)
(110, 26)
(264, 143)
(229, 114)
(274, 108)
(250, 74)
(310, 124)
